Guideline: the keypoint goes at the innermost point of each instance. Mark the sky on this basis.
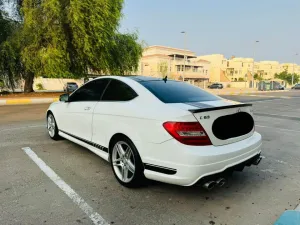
(228, 27)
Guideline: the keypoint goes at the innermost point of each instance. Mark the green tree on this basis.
(241, 79)
(10, 61)
(68, 38)
(258, 77)
(124, 54)
(285, 76)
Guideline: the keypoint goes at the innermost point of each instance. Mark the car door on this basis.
(108, 112)
(77, 116)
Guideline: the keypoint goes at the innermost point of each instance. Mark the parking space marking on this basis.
(275, 128)
(80, 202)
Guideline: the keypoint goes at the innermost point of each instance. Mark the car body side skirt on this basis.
(86, 141)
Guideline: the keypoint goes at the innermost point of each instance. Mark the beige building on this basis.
(241, 69)
(290, 68)
(160, 61)
(267, 69)
(227, 70)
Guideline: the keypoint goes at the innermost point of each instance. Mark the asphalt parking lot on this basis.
(258, 195)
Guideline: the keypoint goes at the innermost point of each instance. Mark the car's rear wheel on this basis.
(126, 163)
(52, 127)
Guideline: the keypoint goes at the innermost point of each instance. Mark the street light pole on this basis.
(184, 56)
(253, 64)
(293, 72)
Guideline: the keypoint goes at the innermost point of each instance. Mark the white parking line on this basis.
(88, 210)
(276, 128)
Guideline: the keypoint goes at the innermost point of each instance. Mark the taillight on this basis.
(188, 133)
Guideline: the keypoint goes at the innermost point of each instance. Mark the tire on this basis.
(126, 163)
(52, 127)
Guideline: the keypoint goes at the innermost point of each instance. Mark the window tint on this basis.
(118, 91)
(91, 91)
(177, 92)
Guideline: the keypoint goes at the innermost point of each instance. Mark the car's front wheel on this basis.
(126, 163)
(52, 127)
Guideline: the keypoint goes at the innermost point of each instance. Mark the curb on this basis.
(28, 101)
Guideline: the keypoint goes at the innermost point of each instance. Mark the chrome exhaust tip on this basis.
(257, 161)
(221, 182)
(209, 185)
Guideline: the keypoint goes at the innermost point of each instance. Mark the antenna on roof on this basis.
(165, 79)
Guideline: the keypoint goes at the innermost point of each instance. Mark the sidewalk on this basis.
(15, 100)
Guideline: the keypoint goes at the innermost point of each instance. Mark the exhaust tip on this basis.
(209, 185)
(257, 161)
(221, 182)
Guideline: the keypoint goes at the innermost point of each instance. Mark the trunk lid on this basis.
(224, 121)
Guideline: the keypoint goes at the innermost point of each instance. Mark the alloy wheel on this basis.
(123, 161)
(51, 125)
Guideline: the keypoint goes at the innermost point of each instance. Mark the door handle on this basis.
(87, 108)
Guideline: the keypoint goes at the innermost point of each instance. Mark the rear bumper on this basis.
(192, 163)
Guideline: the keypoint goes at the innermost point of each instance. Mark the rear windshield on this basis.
(72, 84)
(177, 92)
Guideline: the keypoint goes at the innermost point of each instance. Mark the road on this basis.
(258, 195)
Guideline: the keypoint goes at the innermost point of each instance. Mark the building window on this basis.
(228, 64)
(242, 64)
(248, 65)
(178, 68)
(195, 69)
(266, 73)
(235, 71)
(206, 72)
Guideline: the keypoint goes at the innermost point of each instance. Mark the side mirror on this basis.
(64, 98)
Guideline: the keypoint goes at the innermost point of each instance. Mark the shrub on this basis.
(40, 86)
(1, 84)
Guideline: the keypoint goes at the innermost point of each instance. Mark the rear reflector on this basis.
(188, 133)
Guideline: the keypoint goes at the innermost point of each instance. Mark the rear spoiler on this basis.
(219, 108)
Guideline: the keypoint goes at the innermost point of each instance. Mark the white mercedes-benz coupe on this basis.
(159, 129)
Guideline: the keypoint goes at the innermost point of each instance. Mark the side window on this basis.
(91, 91)
(118, 91)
